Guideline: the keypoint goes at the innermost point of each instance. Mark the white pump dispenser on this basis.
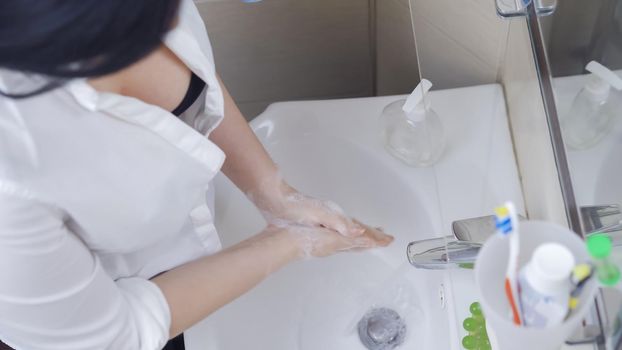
(601, 81)
(416, 105)
(411, 130)
(592, 113)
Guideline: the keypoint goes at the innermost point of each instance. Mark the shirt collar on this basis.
(154, 118)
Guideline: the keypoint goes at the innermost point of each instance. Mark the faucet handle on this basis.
(599, 218)
(475, 229)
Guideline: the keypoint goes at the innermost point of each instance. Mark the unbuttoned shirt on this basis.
(98, 193)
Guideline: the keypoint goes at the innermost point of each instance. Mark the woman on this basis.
(106, 232)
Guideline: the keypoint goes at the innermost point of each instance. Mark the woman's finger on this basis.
(340, 223)
(336, 219)
(382, 239)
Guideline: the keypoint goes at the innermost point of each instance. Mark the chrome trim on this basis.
(517, 8)
(548, 97)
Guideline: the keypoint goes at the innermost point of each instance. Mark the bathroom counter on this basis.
(332, 149)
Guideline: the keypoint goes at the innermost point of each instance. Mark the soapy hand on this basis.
(318, 242)
(281, 204)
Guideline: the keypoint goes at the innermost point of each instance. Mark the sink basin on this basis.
(316, 304)
(332, 150)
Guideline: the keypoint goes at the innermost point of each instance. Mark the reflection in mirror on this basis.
(584, 48)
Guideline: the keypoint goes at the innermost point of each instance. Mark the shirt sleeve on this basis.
(54, 293)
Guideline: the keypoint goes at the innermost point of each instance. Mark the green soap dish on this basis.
(475, 325)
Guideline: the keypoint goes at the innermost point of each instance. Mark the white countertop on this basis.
(477, 173)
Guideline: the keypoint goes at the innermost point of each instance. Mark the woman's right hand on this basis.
(313, 242)
(218, 279)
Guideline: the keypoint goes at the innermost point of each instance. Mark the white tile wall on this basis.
(397, 71)
(306, 49)
(290, 49)
(459, 43)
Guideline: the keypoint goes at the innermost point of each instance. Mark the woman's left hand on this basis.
(282, 204)
(251, 169)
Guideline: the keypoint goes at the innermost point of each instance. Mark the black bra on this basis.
(195, 88)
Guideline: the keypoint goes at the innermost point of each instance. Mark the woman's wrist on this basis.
(290, 245)
(270, 193)
(279, 241)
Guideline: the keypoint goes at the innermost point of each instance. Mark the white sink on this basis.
(331, 149)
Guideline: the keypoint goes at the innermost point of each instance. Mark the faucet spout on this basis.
(603, 219)
(457, 251)
(442, 253)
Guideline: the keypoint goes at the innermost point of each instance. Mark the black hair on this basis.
(65, 39)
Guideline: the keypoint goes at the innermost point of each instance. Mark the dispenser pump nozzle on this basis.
(415, 106)
(601, 81)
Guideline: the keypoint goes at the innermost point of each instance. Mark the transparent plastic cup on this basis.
(490, 269)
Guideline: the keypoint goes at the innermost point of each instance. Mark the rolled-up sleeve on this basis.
(54, 293)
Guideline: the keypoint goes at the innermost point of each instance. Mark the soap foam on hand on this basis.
(278, 201)
(315, 242)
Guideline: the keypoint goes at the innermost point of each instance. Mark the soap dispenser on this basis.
(411, 130)
(592, 113)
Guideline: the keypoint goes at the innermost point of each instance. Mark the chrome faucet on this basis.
(457, 251)
(461, 249)
(601, 218)
(442, 253)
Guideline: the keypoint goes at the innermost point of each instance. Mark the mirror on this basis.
(583, 43)
(582, 48)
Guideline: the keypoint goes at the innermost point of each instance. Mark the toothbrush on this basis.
(506, 221)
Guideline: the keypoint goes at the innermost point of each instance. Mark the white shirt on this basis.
(98, 193)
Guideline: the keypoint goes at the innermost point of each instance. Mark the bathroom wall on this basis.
(316, 49)
(459, 43)
(581, 31)
(396, 66)
(280, 50)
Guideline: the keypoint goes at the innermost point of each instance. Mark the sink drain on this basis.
(381, 329)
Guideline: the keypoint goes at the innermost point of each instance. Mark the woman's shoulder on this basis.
(55, 101)
(31, 127)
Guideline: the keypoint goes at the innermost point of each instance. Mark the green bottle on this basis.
(599, 246)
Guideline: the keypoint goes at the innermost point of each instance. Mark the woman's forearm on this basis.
(197, 289)
(248, 165)
(251, 169)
